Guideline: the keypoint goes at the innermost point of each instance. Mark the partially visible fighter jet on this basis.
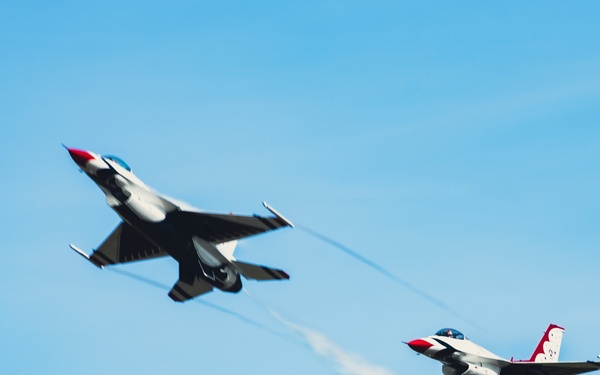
(155, 226)
(460, 356)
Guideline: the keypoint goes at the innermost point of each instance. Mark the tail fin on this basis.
(188, 286)
(549, 347)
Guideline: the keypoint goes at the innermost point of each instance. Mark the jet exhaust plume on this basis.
(379, 268)
(346, 363)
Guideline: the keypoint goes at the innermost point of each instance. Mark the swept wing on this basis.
(123, 245)
(219, 228)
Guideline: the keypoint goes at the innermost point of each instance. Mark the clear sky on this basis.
(455, 144)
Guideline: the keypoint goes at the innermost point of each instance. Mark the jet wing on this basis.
(219, 228)
(123, 245)
(550, 368)
(188, 286)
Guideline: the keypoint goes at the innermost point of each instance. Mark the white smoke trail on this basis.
(347, 363)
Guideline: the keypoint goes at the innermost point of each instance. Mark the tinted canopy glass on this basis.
(450, 332)
(119, 161)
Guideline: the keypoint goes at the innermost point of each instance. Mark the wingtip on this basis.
(79, 251)
(279, 216)
(86, 256)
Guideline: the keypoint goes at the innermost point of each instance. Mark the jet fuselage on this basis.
(459, 356)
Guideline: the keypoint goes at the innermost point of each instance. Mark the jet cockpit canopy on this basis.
(450, 332)
(118, 160)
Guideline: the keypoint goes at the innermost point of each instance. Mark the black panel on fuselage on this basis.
(177, 241)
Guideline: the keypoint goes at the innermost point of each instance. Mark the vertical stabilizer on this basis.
(549, 347)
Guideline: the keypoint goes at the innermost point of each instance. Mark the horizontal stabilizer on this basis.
(260, 273)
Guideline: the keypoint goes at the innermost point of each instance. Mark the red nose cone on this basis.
(81, 157)
(419, 345)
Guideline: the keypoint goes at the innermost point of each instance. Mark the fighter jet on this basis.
(460, 356)
(155, 226)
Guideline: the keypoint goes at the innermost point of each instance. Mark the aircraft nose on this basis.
(80, 157)
(419, 345)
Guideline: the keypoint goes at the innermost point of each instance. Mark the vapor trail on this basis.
(199, 301)
(139, 278)
(377, 267)
(346, 363)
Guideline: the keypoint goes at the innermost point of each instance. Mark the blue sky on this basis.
(453, 143)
